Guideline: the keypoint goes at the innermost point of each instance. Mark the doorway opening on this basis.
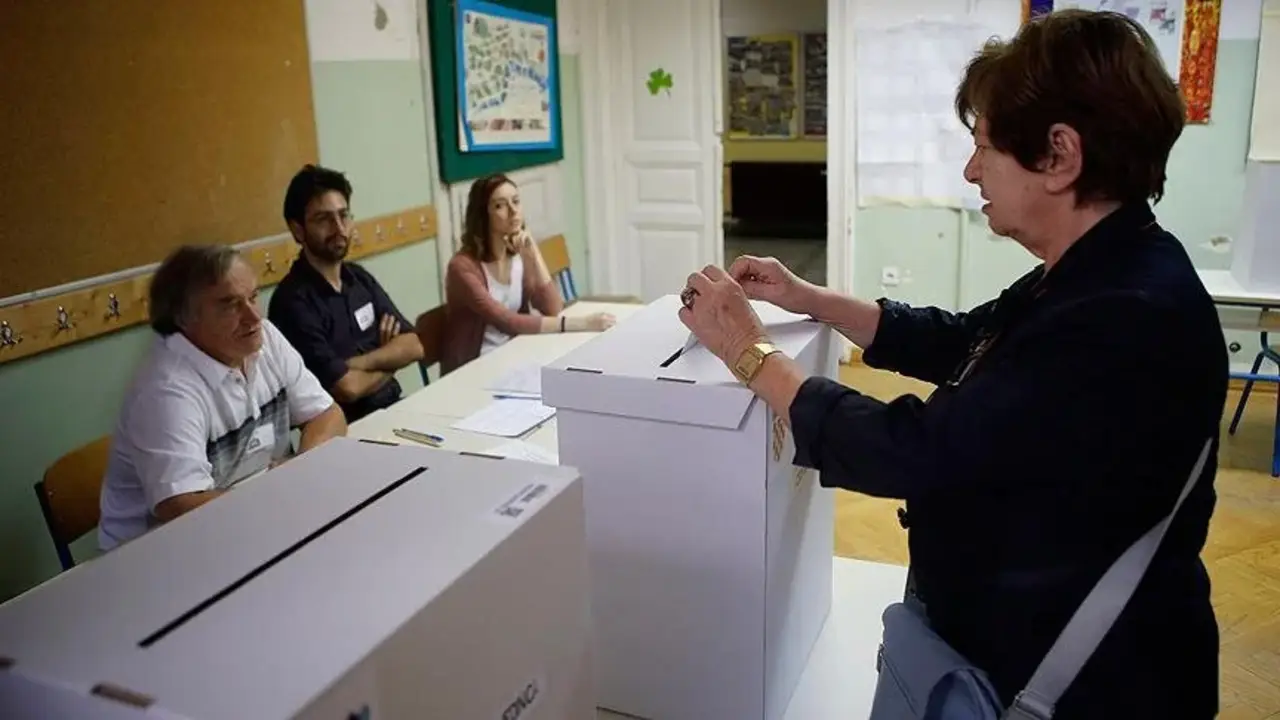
(774, 181)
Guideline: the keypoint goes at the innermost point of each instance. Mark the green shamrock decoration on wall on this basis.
(659, 80)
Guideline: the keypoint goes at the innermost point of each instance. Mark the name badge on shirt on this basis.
(263, 439)
(364, 316)
(257, 455)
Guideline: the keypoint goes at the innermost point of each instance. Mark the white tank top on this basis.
(510, 296)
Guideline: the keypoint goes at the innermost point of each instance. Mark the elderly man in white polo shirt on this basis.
(213, 403)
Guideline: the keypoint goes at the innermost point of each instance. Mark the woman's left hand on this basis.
(720, 315)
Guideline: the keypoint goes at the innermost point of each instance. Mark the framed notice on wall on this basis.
(464, 157)
(814, 55)
(507, 97)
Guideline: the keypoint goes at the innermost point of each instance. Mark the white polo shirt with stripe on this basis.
(191, 423)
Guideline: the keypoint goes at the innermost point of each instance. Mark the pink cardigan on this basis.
(469, 308)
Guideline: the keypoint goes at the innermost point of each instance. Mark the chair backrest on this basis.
(430, 327)
(69, 494)
(555, 251)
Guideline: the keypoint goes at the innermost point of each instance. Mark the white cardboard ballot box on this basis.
(359, 580)
(1255, 259)
(710, 552)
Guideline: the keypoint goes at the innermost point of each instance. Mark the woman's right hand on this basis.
(769, 280)
(599, 322)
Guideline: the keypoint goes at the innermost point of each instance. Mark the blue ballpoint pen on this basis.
(421, 437)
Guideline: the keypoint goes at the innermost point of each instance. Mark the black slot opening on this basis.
(209, 602)
(673, 358)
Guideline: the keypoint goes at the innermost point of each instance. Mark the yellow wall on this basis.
(800, 150)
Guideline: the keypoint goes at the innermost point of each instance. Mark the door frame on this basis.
(441, 198)
(842, 147)
(601, 157)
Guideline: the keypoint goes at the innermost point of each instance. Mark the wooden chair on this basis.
(430, 329)
(69, 494)
(556, 252)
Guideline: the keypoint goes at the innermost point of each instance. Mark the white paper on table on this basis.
(522, 450)
(506, 417)
(523, 380)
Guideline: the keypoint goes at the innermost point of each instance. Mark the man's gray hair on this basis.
(185, 272)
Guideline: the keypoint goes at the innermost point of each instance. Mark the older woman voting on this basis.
(1064, 425)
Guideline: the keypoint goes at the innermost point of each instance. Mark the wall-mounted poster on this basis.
(815, 84)
(763, 86)
(507, 77)
(1185, 32)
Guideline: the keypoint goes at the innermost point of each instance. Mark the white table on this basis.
(840, 679)
(1238, 308)
(1248, 310)
(464, 390)
(434, 408)
(381, 426)
(1226, 290)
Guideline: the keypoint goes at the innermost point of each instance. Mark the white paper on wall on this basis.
(1239, 20)
(912, 148)
(1264, 135)
(1162, 19)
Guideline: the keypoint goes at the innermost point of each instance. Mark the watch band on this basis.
(751, 360)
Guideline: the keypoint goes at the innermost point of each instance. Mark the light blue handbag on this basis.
(921, 677)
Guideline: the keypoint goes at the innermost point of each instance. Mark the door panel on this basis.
(665, 143)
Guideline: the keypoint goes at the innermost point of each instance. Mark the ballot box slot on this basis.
(687, 381)
(122, 695)
(319, 532)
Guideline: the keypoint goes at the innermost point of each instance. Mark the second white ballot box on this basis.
(359, 580)
(710, 552)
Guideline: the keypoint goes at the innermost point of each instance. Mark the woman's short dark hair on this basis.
(187, 270)
(475, 225)
(309, 183)
(1098, 72)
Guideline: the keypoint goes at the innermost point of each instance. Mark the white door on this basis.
(654, 151)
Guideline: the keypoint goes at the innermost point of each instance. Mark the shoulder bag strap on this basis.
(1095, 616)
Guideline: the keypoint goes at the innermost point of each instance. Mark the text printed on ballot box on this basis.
(524, 701)
(522, 501)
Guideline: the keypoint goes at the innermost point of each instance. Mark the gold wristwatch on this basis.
(751, 360)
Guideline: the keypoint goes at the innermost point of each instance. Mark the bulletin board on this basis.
(133, 126)
(814, 62)
(763, 76)
(456, 165)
